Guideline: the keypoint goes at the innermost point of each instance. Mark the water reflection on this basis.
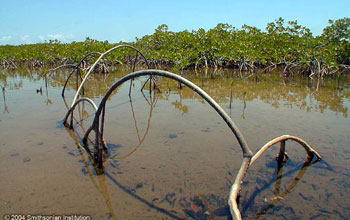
(197, 207)
(6, 110)
(152, 101)
(48, 101)
(332, 94)
(277, 195)
(179, 105)
(91, 169)
(304, 93)
(13, 80)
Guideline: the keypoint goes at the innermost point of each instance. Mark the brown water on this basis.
(171, 156)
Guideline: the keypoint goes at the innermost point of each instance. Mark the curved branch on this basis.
(87, 55)
(76, 69)
(98, 60)
(87, 132)
(70, 111)
(65, 84)
(64, 65)
(247, 162)
(86, 136)
(141, 140)
(246, 151)
(309, 150)
(248, 158)
(247, 154)
(235, 188)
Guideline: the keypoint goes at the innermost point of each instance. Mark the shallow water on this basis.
(171, 156)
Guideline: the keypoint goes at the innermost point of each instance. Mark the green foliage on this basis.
(337, 36)
(338, 30)
(282, 43)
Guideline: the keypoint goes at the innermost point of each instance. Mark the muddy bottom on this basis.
(170, 155)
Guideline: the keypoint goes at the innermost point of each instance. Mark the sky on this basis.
(34, 21)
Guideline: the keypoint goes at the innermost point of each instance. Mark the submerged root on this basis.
(247, 162)
(98, 124)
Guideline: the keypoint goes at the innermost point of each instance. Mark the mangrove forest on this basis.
(283, 44)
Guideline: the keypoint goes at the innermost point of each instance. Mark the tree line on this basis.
(282, 44)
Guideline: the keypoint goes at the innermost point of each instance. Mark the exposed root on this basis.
(98, 122)
(71, 110)
(309, 150)
(247, 162)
